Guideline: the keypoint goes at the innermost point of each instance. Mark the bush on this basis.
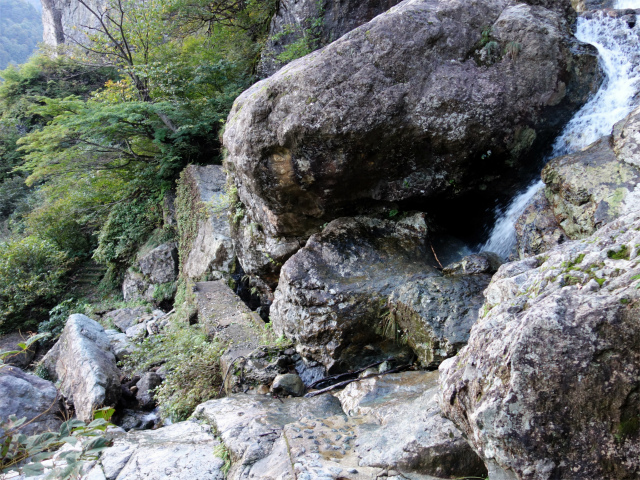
(192, 363)
(31, 278)
(58, 316)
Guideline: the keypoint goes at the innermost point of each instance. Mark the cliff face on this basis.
(67, 21)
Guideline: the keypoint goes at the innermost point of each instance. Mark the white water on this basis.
(619, 55)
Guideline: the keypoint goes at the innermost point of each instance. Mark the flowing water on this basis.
(619, 55)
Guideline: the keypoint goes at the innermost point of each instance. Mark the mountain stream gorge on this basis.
(364, 319)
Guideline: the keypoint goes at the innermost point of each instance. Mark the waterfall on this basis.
(619, 55)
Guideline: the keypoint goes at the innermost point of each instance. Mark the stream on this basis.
(619, 56)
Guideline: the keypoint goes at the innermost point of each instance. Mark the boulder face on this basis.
(85, 366)
(552, 367)
(314, 24)
(206, 247)
(589, 188)
(537, 229)
(153, 280)
(436, 313)
(25, 395)
(10, 343)
(332, 296)
(424, 101)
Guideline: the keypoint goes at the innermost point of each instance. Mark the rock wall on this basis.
(314, 23)
(65, 21)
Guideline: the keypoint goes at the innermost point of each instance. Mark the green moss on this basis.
(621, 254)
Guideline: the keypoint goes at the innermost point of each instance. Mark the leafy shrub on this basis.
(128, 226)
(58, 316)
(31, 278)
(192, 364)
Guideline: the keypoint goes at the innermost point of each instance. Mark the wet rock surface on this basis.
(84, 365)
(537, 229)
(551, 368)
(25, 395)
(434, 315)
(590, 188)
(333, 293)
(301, 158)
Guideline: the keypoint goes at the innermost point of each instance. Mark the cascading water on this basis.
(619, 55)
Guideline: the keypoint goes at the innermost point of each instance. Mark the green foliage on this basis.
(128, 226)
(26, 454)
(20, 31)
(58, 316)
(32, 271)
(192, 363)
(309, 37)
(621, 254)
(23, 347)
(221, 451)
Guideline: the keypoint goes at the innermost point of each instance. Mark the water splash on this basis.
(619, 55)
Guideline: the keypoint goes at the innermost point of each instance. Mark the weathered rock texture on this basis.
(250, 425)
(314, 24)
(25, 395)
(84, 365)
(64, 21)
(203, 206)
(332, 295)
(154, 278)
(584, 190)
(408, 106)
(548, 385)
(434, 315)
(181, 451)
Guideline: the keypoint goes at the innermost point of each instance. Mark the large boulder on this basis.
(430, 99)
(547, 386)
(332, 296)
(84, 365)
(202, 208)
(153, 278)
(25, 395)
(434, 315)
(301, 25)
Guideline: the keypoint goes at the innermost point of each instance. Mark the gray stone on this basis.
(84, 365)
(404, 107)
(551, 369)
(434, 315)
(288, 384)
(137, 331)
(181, 451)
(250, 425)
(121, 345)
(211, 251)
(124, 318)
(25, 395)
(537, 229)
(591, 187)
(333, 293)
(484, 262)
(64, 21)
(9, 343)
(296, 19)
(626, 139)
(146, 386)
(160, 265)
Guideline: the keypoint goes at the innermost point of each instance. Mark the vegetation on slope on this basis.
(20, 31)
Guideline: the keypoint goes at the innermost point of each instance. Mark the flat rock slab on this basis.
(178, 452)
(25, 395)
(225, 316)
(249, 425)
